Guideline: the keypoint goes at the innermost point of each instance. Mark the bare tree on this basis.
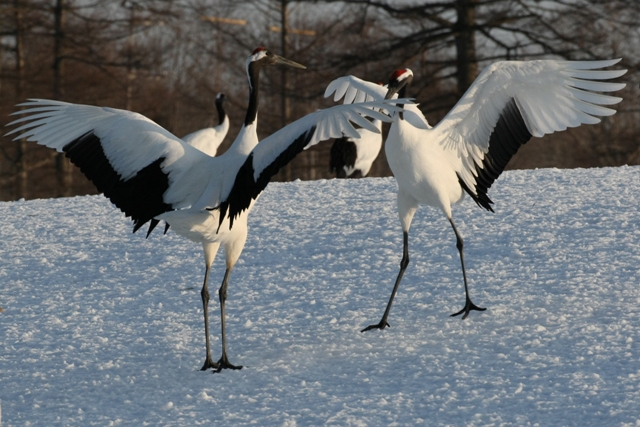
(63, 166)
(167, 59)
(446, 42)
(21, 145)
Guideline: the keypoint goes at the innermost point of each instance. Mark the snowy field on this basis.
(102, 327)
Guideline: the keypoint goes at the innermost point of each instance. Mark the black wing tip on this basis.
(481, 198)
(139, 197)
(152, 225)
(246, 188)
(509, 134)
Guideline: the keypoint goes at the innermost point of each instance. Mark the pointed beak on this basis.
(284, 61)
(391, 91)
(395, 86)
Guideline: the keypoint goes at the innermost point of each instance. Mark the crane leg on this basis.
(469, 305)
(403, 266)
(204, 293)
(223, 363)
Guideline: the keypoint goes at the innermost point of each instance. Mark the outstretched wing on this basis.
(355, 90)
(512, 101)
(140, 166)
(277, 150)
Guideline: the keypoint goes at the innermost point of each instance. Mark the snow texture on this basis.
(102, 327)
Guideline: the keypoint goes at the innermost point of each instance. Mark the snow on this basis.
(102, 327)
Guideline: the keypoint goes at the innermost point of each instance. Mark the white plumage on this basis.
(152, 175)
(208, 140)
(352, 157)
(507, 104)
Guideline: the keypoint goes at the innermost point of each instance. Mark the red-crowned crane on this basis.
(152, 175)
(352, 157)
(507, 104)
(209, 139)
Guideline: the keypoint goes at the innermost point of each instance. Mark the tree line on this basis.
(167, 59)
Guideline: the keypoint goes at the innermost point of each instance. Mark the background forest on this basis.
(168, 59)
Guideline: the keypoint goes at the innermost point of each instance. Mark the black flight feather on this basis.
(139, 197)
(245, 188)
(509, 134)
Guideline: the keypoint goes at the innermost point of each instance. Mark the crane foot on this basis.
(383, 324)
(467, 308)
(223, 363)
(208, 363)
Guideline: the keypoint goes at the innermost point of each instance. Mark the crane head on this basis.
(220, 98)
(399, 80)
(262, 56)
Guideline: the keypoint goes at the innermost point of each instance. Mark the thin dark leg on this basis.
(468, 305)
(223, 363)
(204, 293)
(403, 266)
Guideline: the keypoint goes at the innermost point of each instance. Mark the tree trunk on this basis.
(286, 172)
(467, 67)
(63, 167)
(131, 71)
(21, 145)
(284, 48)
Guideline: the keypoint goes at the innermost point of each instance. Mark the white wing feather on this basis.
(352, 89)
(546, 91)
(129, 140)
(551, 96)
(329, 123)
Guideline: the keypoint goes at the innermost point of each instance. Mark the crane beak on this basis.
(391, 91)
(398, 80)
(284, 61)
(396, 85)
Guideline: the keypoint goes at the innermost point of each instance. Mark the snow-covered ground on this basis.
(102, 327)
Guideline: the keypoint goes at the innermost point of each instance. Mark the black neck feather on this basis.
(221, 112)
(402, 93)
(254, 84)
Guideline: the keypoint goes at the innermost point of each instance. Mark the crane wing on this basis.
(140, 166)
(512, 101)
(355, 90)
(277, 150)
